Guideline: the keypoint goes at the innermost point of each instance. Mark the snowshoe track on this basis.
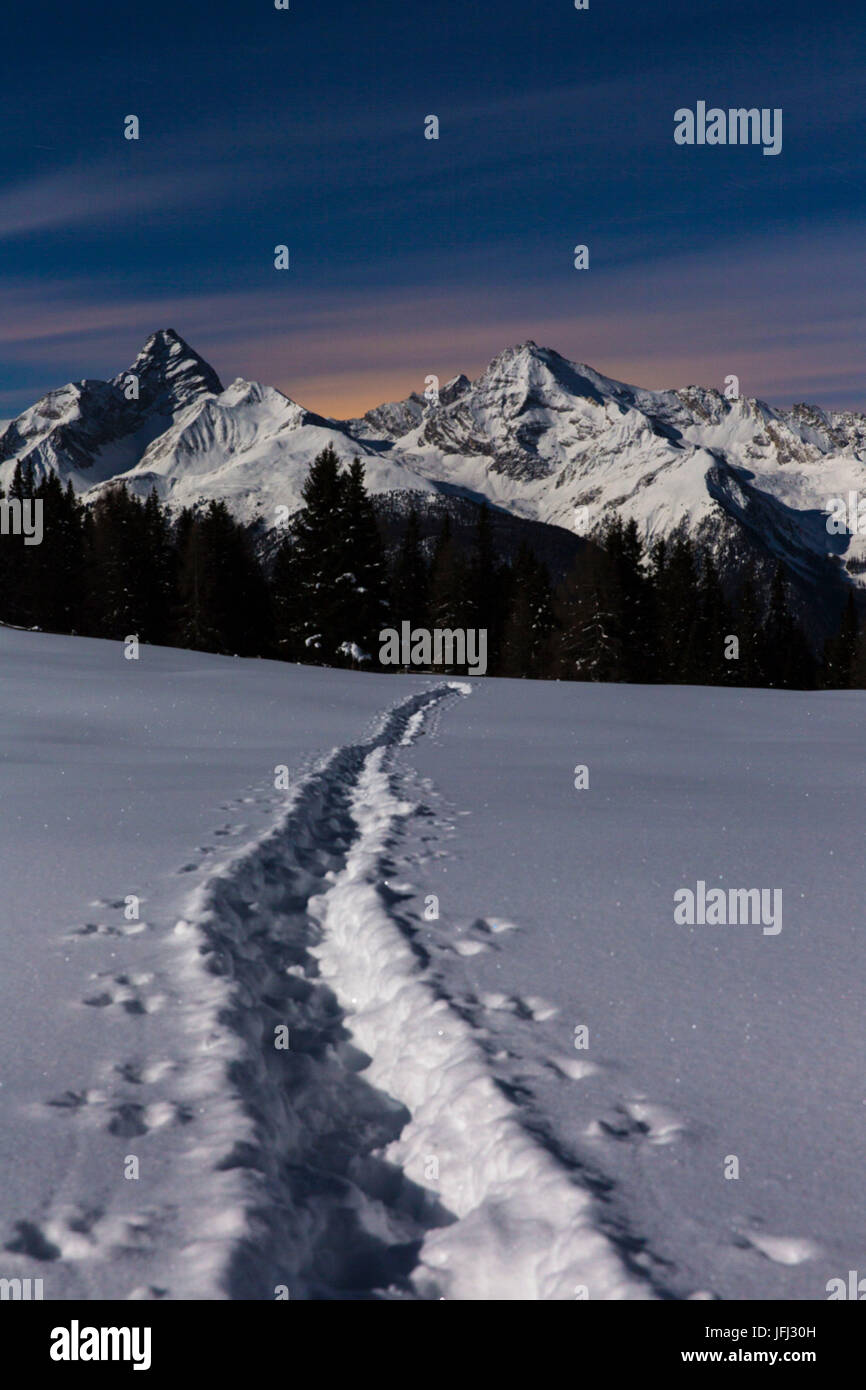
(343, 1133)
(328, 1218)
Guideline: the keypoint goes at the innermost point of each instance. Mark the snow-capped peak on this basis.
(534, 433)
(170, 371)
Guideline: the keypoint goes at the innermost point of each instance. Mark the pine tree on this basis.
(410, 578)
(21, 563)
(788, 663)
(747, 627)
(675, 585)
(223, 599)
(486, 588)
(712, 627)
(55, 575)
(117, 554)
(529, 623)
(286, 603)
(840, 651)
(157, 572)
(324, 586)
(585, 643)
(631, 603)
(858, 663)
(364, 578)
(447, 603)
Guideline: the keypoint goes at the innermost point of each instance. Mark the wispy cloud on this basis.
(73, 197)
(785, 320)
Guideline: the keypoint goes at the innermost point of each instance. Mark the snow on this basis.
(251, 447)
(117, 778)
(704, 1042)
(353, 651)
(431, 1130)
(523, 1229)
(534, 433)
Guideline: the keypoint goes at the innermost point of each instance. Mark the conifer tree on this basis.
(448, 600)
(116, 557)
(529, 623)
(747, 626)
(286, 604)
(585, 644)
(324, 585)
(787, 661)
(56, 566)
(676, 595)
(157, 571)
(364, 577)
(631, 603)
(487, 589)
(712, 627)
(20, 562)
(410, 578)
(223, 597)
(840, 651)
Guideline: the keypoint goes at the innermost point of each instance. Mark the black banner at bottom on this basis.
(82, 1339)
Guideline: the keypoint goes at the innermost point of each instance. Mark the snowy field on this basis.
(243, 1057)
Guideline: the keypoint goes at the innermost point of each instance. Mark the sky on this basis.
(410, 256)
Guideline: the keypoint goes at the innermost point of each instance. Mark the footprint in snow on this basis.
(470, 948)
(639, 1120)
(31, 1240)
(139, 1073)
(572, 1068)
(123, 991)
(533, 1008)
(782, 1250)
(77, 1100)
(101, 929)
(129, 1121)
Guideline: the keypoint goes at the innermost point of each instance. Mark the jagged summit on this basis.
(535, 433)
(170, 371)
(90, 430)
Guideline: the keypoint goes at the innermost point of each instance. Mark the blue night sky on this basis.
(411, 256)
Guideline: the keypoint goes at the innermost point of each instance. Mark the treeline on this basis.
(123, 566)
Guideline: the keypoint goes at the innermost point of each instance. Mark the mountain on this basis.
(89, 431)
(167, 422)
(559, 442)
(396, 418)
(252, 446)
(535, 435)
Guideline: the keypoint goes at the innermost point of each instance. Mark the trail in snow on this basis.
(378, 1157)
(523, 1228)
(308, 1204)
(432, 1130)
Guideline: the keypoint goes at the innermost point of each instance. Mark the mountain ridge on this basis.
(534, 434)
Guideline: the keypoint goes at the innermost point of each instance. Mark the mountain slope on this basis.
(535, 435)
(558, 442)
(251, 446)
(561, 443)
(89, 431)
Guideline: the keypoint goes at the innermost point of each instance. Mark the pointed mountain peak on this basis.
(454, 389)
(164, 338)
(534, 369)
(170, 373)
(528, 356)
(520, 352)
